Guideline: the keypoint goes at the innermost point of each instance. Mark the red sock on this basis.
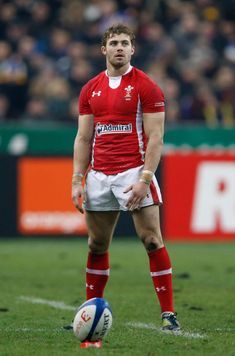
(97, 274)
(161, 273)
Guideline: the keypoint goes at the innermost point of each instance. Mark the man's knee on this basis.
(97, 245)
(152, 241)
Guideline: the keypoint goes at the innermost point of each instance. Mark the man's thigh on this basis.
(101, 224)
(147, 221)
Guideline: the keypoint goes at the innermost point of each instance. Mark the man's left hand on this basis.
(138, 193)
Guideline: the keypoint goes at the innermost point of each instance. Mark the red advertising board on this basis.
(199, 195)
(44, 197)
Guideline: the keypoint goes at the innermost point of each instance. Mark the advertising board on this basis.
(44, 197)
(199, 195)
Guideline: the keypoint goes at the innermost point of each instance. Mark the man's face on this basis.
(118, 50)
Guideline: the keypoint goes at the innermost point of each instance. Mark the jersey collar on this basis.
(128, 71)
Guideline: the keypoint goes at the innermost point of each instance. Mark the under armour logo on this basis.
(94, 93)
(90, 286)
(159, 289)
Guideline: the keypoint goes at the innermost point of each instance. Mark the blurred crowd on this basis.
(50, 49)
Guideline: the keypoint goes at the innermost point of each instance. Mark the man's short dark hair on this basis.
(117, 30)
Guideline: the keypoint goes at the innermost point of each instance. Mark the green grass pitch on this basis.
(47, 271)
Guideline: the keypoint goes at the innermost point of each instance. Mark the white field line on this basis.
(51, 303)
(133, 325)
(186, 334)
(30, 330)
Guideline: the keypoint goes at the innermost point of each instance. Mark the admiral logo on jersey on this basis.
(105, 129)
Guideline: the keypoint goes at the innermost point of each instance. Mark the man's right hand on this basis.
(78, 196)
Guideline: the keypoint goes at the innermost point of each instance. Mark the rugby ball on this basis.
(93, 320)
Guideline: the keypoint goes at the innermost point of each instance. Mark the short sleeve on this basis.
(84, 102)
(151, 97)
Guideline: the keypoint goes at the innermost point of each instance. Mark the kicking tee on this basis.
(117, 104)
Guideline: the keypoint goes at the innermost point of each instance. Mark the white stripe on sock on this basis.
(161, 273)
(104, 272)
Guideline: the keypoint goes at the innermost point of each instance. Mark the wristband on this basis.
(146, 177)
(145, 181)
(77, 178)
(145, 171)
(77, 175)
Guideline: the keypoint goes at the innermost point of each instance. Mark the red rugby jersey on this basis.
(119, 139)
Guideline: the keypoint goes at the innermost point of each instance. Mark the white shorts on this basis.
(105, 192)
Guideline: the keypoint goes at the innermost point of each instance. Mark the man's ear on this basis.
(103, 50)
(133, 50)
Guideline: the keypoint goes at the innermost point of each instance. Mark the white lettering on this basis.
(67, 222)
(214, 199)
(104, 129)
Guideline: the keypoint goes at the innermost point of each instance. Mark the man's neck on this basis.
(117, 72)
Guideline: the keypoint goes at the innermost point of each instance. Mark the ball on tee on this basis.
(93, 320)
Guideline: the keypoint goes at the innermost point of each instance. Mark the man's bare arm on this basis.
(154, 130)
(81, 158)
(83, 144)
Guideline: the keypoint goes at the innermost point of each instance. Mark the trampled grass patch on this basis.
(42, 283)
